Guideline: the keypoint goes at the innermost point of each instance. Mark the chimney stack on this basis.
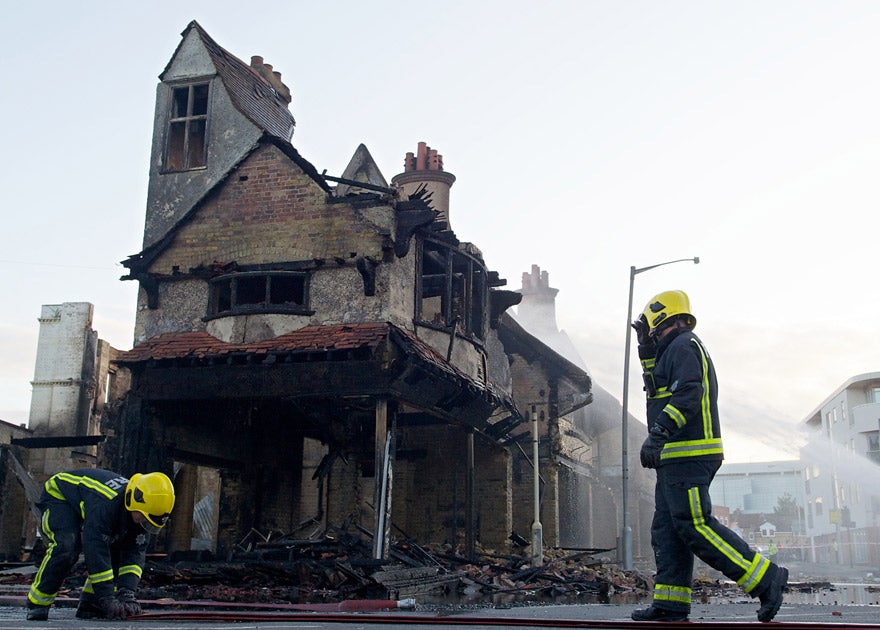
(270, 76)
(426, 167)
(537, 311)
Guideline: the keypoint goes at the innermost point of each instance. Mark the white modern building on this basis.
(755, 487)
(842, 475)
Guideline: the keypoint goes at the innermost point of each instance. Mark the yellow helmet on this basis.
(667, 304)
(152, 495)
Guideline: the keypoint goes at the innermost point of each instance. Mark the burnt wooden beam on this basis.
(203, 459)
(279, 379)
(408, 221)
(62, 441)
(356, 184)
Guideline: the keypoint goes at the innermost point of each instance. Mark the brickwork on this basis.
(279, 480)
(430, 478)
(313, 453)
(493, 496)
(269, 211)
(532, 387)
(346, 492)
(235, 519)
(523, 492)
(17, 526)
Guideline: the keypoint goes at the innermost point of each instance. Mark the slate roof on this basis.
(251, 94)
(517, 339)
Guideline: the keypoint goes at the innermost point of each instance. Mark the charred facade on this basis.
(315, 351)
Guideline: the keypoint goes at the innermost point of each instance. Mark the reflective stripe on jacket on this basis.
(686, 398)
(97, 497)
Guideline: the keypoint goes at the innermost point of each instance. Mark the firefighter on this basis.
(684, 446)
(109, 518)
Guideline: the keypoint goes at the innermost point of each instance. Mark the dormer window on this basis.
(187, 128)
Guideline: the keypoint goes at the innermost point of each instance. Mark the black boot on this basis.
(88, 609)
(652, 613)
(37, 613)
(771, 598)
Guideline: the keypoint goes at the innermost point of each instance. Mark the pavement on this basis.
(851, 596)
(739, 612)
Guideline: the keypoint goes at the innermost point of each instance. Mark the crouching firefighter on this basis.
(109, 518)
(684, 446)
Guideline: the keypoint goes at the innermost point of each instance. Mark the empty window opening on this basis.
(195, 519)
(259, 292)
(187, 131)
(452, 289)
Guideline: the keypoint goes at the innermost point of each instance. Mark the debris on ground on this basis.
(338, 566)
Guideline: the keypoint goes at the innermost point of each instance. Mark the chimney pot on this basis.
(425, 167)
(256, 60)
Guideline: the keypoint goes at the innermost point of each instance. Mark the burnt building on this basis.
(316, 351)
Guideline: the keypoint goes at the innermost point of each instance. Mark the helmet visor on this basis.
(153, 523)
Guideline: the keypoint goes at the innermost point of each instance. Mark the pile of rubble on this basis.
(339, 567)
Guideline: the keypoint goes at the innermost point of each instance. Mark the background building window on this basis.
(873, 450)
(187, 128)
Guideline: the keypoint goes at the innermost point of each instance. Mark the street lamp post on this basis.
(626, 534)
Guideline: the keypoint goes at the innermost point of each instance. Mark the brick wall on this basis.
(346, 492)
(313, 452)
(430, 477)
(17, 525)
(269, 211)
(493, 497)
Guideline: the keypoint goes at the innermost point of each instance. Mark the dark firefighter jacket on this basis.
(686, 399)
(97, 497)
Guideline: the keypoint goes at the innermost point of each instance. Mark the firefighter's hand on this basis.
(129, 601)
(649, 456)
(647, 347)
(111, 608)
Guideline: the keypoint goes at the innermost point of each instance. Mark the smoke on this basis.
(758, 425)
(848, 466)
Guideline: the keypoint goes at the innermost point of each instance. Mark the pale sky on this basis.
(586, 137)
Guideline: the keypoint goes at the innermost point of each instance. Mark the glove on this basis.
(111, 608)
(129, 601)
(647, 345)
(647, 353)
(649, 456)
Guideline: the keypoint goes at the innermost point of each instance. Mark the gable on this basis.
(361, 168)
(191, 60)
(268, 210)
(211, 111)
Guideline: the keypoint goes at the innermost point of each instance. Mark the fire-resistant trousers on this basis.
(61, 530)
(683, 527)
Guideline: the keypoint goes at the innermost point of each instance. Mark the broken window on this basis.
(259, 292)
(187, 128)
(452, 288)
